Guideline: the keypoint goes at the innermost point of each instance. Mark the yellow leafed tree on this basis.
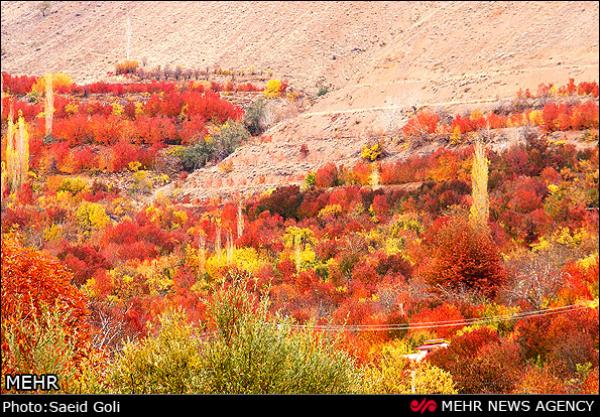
(480, 208)
(17, 152)
(10, 151)
(59, 81)
(374, 177)
(23, 150)
(4, 181)
(272, 88)
(230, 248)
(455, 135)
(240, 219)
(49, 104)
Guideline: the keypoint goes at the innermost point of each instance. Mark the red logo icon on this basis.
(423, 405)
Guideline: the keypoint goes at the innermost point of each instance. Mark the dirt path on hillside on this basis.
(403, 107)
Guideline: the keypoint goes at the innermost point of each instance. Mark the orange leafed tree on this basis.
(34, 283)
(424, 123)
(464, 258)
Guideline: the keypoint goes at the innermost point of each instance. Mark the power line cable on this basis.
(508, 316)
(446, 323)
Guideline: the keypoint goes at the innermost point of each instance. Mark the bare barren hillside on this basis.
(302, 41)
(382, 59)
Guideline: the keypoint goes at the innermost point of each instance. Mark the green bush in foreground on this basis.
(168, 362)
(250, 353)
(38, 345)
(256, 354)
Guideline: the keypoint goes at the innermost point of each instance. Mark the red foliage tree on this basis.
(424, 123)
(139, 239)
(327, 176)
(34, 283)
(590, 385)
(537, 380)
(443, 312)
(572, 339)
(84, 261)
(464, 258)
(380, 206)
(18, 84)
(580, 281)
(480, 362)
(283, 201)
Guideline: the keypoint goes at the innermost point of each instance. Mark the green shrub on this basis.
(168, 362)
(196, 156)
(250, 353)
(216, 148)
(230, 136)
(46, 349)
(254, 118)
(254, 353)
(322, 91)
(310, 179)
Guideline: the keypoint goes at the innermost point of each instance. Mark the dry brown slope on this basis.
(458, 55)
(390, 46)
(389, 57)
(299, 40)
